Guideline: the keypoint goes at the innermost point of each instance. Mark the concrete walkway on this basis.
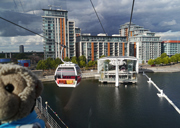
(168, 68)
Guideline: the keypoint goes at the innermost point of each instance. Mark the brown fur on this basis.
(27, 87)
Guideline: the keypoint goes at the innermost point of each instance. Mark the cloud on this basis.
(33, 43)
(32, 22)
(169, 35)
(166, 23)
(157, 16)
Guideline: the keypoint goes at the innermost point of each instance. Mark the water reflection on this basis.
(96, 105)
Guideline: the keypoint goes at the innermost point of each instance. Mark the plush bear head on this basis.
(19, 88)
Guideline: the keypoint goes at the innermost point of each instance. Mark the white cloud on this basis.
(36, 12)
(169, 35)
(33, 43)
(168, 23)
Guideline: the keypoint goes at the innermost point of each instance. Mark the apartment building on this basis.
(143, 44)
(93, 47)
(171, 47)
(58, 31)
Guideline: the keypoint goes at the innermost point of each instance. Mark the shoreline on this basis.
(167, 68)
(95, 75)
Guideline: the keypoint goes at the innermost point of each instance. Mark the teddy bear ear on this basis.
(38, 88)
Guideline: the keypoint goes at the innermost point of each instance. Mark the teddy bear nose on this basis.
(9, 88)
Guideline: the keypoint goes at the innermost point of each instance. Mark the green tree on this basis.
(158, 60)
(2, 55)
(151, 62)
(90, 63)
(143, 62)
(83, 58)
(57, 62)
(67, 59)
(49, 63)
(102, 56)
(41, 65)
(82, 63)
(74, 59)
(177, 57)
(165, 60)
(21, 56)
(173, 59)
(163, 55)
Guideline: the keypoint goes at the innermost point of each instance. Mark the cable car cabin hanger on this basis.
(68, 75)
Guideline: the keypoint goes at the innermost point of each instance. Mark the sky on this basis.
(161, 17)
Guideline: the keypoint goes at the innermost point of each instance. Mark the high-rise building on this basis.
(143, 44)
(78, 31)
(171, 47)
(58, 31)
(21, 49)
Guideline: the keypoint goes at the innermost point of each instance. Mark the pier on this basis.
(161, 94)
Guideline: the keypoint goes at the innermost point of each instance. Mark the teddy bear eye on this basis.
(9, 88)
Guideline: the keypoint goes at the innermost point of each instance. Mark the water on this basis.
(94, 105)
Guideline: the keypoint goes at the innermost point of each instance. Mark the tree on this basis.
(2, 55)
(143, 62)
(82, 63)
(102, 56)
(58, 61)
(41, 65)
(173, 59)
(67, 59)
(158, 60)
(21, 56)
(49, 63)
(83, 58)
(163, 55)
(90, 63)
(165, 60)
(177, 57)
(151, 62)
(74, 59)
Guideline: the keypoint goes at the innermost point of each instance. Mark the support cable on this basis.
(21, 5)
(98, 17)
(129, 28)
(30, 30)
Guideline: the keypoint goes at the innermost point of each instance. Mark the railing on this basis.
(125, 76)
(52, 123)
(120, 79)
(89, 74)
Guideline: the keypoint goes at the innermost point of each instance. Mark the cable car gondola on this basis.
(67, 74)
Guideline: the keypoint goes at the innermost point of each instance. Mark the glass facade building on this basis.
(143, 44)
(171, 47)
(58, 31)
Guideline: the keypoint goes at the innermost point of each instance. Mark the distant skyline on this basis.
(157, 16)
